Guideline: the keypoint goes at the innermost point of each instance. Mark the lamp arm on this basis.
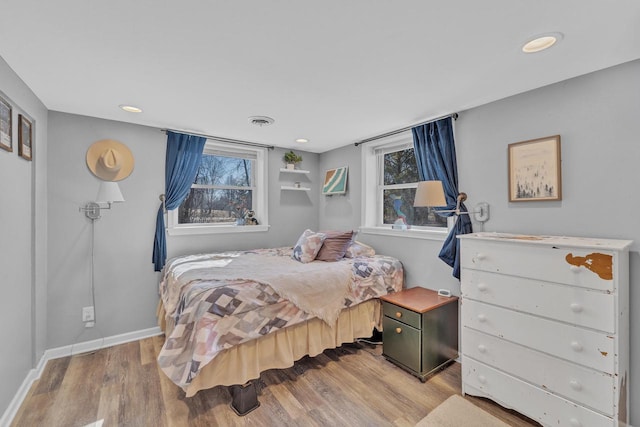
(480, 211)
(92, 209)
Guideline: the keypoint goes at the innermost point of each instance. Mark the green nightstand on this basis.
(420, 330)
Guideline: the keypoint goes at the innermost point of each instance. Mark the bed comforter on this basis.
(212, 309)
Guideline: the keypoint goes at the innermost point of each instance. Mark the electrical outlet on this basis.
(88, 315)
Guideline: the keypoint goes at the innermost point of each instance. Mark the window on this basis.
(230, 181)
(391, 178)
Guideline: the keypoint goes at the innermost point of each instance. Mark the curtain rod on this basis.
(404, 129)
(221, 139)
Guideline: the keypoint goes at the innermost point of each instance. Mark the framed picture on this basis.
(534, 170)
(335, 181)
(6, 142)
(25, 138)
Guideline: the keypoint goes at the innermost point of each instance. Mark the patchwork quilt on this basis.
(213, 310)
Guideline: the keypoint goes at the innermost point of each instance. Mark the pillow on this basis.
(308, 246)
(335, 245)
(359, 249)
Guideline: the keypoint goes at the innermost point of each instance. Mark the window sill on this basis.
(216, 229)
(411, 233)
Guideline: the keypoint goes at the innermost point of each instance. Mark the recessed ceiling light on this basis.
(541, 42)
(302, 140)
(131, 109)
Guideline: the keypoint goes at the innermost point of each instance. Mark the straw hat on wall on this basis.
(110, 160)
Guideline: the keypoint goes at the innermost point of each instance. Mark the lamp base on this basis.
(92, 210)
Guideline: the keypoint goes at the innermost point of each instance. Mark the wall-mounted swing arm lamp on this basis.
(108, 193)
(431, 194)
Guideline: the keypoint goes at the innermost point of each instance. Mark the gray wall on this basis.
(342, 211)
(597, 116)
(125, 283)
(23, 225)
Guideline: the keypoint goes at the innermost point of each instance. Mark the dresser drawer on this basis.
(402, 343)
(543, 406)
(588, 268)
(566, 303)
(582, 385)
(401, 314)
(586, 347)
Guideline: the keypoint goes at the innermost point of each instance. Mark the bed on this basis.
(229, 316)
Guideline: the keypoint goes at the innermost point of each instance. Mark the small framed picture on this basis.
(25, 138)
(335, 181)
(6, 142)
(534, 170)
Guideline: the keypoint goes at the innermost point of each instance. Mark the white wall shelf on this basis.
(288, 187)
(294, 186)
(293, 170)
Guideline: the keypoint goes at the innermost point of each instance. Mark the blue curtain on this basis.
(182, 162)
(435, 152)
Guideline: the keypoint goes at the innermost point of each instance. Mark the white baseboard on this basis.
(83, 347)
(69, 350)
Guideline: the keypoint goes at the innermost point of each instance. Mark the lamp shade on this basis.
(429, 193)
(109, 192)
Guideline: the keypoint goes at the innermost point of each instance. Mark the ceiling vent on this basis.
(261, 120)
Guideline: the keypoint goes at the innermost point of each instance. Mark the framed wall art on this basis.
(25, 138)
(6, 141)
(534, 170)
(335, 181)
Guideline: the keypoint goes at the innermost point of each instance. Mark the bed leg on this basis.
(244, 398)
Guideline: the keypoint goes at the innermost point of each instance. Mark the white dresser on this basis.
(545, 326)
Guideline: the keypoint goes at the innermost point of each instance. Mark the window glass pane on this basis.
(400, 167)
(398, 206)
(206, 205)
(221, 170)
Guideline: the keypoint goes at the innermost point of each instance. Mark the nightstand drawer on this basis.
(401, 314)
(402, 343)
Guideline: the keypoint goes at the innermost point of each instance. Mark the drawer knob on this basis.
(398, 314)
(574, 268)
(576, 346)
(482, 379)
(575, 384)
(482, 287)
(482, 318)
(479, 257)
(398, 330)
(482, 348)
(576, 307)
(575, 423)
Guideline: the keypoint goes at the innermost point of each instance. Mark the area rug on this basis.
(457, 412)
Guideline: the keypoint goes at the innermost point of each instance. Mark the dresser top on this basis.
(581, 242)
(418, 299)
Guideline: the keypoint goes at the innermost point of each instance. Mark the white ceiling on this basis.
(331, 71)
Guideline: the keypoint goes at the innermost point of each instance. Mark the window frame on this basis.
(373, 189)
(259, 195)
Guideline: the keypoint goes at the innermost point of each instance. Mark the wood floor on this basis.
(349, 386)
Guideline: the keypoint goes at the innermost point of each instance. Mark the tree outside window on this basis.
(222, 191)
(399, 182)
